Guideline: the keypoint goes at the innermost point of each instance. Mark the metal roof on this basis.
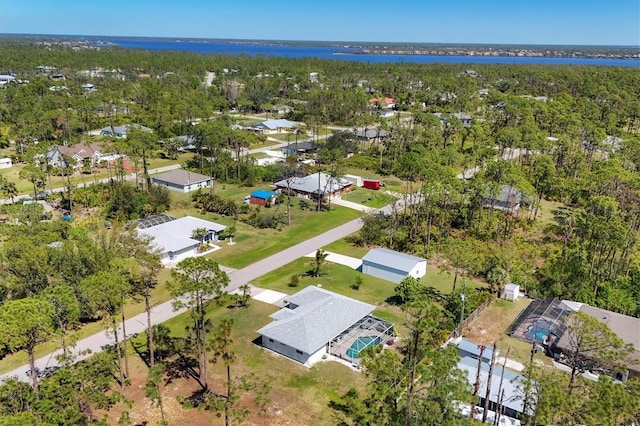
(511, 384)
(181, 177)
(313, 317)
(312, 185)
(474, 349)
(175, 235)
(276, 124)
(262, 194)
(392, 259)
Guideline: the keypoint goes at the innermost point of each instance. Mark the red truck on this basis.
(371, 184)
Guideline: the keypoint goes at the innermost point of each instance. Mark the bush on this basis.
(295, 280)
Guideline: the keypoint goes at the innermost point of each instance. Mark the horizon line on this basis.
(408, 43)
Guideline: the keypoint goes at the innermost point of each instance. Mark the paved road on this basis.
(164, 311)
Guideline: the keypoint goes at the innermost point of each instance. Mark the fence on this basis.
(473, 315)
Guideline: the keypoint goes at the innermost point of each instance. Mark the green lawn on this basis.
(369, 197)
(343, 247)
(253, 244)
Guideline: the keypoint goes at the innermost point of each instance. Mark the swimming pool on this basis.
(360, 343)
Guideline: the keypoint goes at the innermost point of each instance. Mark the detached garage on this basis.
(392, 265)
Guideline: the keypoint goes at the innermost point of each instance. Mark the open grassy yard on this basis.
(299, 395)
(369, 197)
(253, 244)
(491, 326)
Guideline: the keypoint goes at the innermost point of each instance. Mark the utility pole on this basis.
(463, 297)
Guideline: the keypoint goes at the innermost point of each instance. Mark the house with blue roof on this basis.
(392, 265)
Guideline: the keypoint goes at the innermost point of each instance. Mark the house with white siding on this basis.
(182, 180)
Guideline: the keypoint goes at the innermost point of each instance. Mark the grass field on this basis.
(253, 244)
(369, 198)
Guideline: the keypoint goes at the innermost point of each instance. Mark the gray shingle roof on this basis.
(175, 235)
(181, 177)
(309, 184)
(392, 259)
(276, 124)
(313, 318)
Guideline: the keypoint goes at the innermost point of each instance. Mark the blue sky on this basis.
(600, 22)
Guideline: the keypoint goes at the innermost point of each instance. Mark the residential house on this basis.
(382, 103)
(508, 200)
(470, 349)
(387, 113)
(275, 126)
(183, 180)
(173, 238)
(465, 119)
(392, 265)
(316, 323)
(317, 185)
(120, 132)
(625, 327)
(512, 383)
(367, 134)
(299, 148)
(82, 153)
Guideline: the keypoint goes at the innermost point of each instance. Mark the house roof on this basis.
(393, 259)
(276, 124)
(508, 191)
(511, 384)
(124, 129)
(471, 347)
(181, 177)
(263, 194)
(363, 132)
(81, 150)
(386, 101)
(175, 235)
(310, 184)
(313, 317)
(625, 327)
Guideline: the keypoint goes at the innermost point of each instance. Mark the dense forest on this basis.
(564, 138)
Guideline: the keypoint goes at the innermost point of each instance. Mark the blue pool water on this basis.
(361, 343)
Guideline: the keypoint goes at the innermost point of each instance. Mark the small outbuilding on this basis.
(261, 197)
(5, 163)
(511, 292)
(183, 180)
(392, 265)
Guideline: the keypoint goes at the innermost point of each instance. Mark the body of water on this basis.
(338, 53)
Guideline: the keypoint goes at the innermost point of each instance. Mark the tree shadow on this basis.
(181, 367)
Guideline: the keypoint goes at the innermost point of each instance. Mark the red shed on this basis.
(371, 184)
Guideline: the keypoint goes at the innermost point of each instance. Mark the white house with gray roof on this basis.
(392, 265)
(316, 322)
(315, 186)
(183, 180)
(173, 238)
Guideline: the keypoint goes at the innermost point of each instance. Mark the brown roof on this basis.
(81, 150)
(181, 177)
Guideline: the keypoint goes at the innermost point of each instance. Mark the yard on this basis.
(491, 326)
(369, 197)
(300, 395)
